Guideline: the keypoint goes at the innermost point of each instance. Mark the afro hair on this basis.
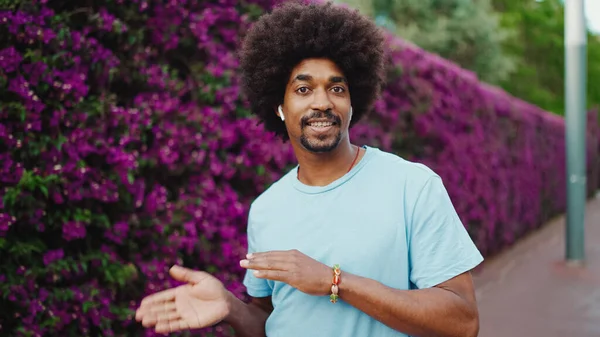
(293, 32)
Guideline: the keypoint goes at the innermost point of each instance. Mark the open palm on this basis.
(200, 303)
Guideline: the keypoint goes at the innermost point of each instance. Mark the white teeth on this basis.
(321, 124)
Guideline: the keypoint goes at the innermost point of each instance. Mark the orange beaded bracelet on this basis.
(334, 284)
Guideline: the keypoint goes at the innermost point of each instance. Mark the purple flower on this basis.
(73, 230)
(5, 222)
(118, 232)
(53, 255)
(9, 59)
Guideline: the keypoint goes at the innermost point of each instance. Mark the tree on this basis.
(539, 50)
(463, 31)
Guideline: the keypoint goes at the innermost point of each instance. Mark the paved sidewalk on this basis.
(529, 291)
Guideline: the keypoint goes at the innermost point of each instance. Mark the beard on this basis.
(321, 143)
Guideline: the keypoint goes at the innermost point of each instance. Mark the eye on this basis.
(338, 90)
(302, 90)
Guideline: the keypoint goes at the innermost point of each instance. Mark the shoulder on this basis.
(273, 196)
(392, 167)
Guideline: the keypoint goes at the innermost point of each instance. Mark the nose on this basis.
(321, 101)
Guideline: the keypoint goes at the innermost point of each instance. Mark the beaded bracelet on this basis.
(334, 285)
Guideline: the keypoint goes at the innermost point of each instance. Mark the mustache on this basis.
(328, 114)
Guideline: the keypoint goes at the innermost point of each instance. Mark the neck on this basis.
(321, 169)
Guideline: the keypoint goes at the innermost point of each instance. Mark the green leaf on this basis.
(63, 294)
(83, 215)
(253, 11)
(62, 33)
(87, 305)
(17, 109)
(44, 190)
(56, 18)
(5, 287)
(60, 141)
(26, 248)
(101, 220)
(242, 112)
(50, 321)
(31, 55)
(23, 332)
(10, 197)
(121, 313)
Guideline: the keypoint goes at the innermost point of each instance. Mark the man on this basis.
(353, 241)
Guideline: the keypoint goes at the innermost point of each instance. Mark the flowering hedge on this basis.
(502, 159)
(125, 147)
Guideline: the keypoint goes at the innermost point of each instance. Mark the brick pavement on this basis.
(529, 291)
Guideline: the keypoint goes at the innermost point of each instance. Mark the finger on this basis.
(274, 254)
(167, 316)
(139, 314)
(274, 275)
(142, 312)
(145, 310)
(165, 312)
(265, 259)
(171, 326)
(265, 264)
(164, 307)
(151, 314)
(162, 296)
(187, 275)
(149, 320)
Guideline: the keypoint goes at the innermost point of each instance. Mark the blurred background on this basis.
(127, 147)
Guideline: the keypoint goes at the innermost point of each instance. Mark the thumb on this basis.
(187, 275)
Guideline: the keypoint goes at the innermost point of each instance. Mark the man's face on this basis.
(317, 105)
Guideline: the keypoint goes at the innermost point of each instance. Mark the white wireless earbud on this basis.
(281, 113)
(350, 112)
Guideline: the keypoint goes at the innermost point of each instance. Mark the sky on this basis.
(592, 11)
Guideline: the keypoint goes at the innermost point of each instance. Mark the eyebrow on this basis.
(308, 78)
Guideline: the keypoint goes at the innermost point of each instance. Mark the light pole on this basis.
(575, 106)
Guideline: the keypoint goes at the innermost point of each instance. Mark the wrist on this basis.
(335, 282)
(232, 304)
(326, 282)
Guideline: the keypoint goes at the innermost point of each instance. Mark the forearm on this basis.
(248, 320)
(432, 312)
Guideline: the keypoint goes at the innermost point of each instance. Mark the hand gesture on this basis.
(200, 303)
(291, 267)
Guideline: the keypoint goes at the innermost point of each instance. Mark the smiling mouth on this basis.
(321, 124)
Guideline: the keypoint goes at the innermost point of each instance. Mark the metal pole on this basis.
(575, 101)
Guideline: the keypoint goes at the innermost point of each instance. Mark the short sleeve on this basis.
(439, 246)
(255, 287)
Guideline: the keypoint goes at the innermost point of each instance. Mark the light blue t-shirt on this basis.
(387, 219)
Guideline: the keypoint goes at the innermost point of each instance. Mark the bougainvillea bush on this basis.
(502, 159)
(126, 147)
